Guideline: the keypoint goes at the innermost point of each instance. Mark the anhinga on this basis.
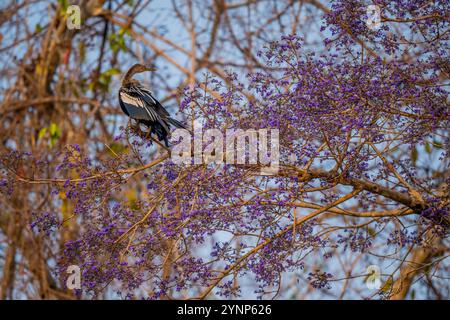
(138, 103)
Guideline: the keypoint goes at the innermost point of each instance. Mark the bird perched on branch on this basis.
(138, 103)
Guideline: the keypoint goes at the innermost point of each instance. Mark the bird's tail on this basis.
(160, 132)
(176, 123)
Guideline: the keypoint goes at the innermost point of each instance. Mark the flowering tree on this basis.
(358, 207)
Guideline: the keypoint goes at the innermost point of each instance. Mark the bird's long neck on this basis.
(128, 76)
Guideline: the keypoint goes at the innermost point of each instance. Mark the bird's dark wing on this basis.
(151, 101)
(160, 110)
(136, 107)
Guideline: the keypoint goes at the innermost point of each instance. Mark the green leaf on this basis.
(104, 80)
(414, 155)
(91, 86)
(121, 42)
(54, 131)
(82, 51)
(38, 28)
(427, 147)
(112, 43)
(64, 4)
(42, 133)
(116, 148)
(386, 287)
(112, 72)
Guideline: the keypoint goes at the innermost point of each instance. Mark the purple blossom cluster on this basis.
(356, 240)
(320, 280)
(44, 222)
(347, 22)
(403, 237)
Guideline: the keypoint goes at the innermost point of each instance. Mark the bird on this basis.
(138, 103)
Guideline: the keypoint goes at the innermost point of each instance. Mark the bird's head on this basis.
(137, 68)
